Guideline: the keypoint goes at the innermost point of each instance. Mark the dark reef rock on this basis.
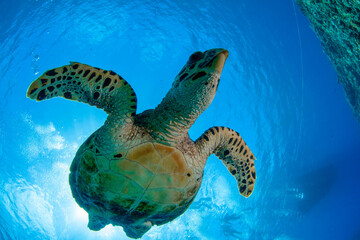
(337, 24)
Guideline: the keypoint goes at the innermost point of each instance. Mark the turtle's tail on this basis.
(137, 231)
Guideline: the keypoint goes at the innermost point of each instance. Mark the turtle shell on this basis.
(148, 182)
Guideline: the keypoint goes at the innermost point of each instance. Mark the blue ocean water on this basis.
(278, 89)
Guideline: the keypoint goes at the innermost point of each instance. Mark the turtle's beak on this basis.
(219, 60)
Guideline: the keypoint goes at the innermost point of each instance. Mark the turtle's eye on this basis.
(196, 56)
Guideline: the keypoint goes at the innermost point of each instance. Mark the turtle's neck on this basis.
(168, 122)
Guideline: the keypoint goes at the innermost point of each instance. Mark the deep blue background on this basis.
(278, 90)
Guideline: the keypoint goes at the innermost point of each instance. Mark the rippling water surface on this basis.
(277, 89)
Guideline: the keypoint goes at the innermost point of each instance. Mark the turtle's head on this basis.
(196, 84)
(192, 92)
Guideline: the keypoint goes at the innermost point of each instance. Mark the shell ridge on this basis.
(137, 202)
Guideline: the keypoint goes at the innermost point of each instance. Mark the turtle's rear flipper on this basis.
(235, 154)
(137, 231)
(96, 219)
(101, 88)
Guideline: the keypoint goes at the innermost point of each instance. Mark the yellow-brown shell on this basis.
(149, 182)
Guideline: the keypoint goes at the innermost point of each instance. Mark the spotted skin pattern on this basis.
(83, 83)
(228, 145)
(141, 170)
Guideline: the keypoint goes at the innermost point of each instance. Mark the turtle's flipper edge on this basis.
(235, 154)
(101, 88)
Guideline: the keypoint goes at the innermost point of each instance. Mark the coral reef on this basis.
(337, 24)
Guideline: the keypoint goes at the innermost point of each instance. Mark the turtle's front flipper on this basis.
(235, 154)
(101, 88)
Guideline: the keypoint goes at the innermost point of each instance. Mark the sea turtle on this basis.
(140, 170)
